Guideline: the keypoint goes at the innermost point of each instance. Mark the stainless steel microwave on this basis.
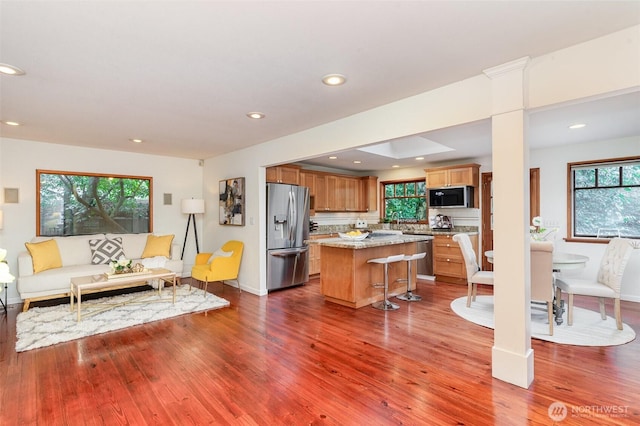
(451, 197)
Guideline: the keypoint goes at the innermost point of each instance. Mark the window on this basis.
(80, 203)
(605, 198)
(405, 200)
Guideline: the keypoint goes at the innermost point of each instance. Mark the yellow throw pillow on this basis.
(158, 245)
(45, 255)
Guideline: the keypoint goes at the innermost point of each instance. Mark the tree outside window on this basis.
(79, 204)
(405, 200)
(605, 198)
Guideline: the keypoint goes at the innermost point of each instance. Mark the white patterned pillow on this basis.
(104, 251)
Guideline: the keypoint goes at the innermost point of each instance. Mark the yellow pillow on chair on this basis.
(45, 255)
(158, 245)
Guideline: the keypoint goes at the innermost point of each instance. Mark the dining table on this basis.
(561, 261)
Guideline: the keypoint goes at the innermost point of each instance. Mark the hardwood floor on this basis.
(291, 358)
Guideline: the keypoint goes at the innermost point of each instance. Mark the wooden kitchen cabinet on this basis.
(314, 253)
(369, 193)
(462, 175)
(309, 180)
(448, 263)
(330, 192)
(283, 174)
(334, 194)
(352, 199)
(321, 201)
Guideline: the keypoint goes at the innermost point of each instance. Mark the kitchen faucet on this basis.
(397, 215)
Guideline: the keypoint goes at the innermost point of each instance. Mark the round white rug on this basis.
(588, 328)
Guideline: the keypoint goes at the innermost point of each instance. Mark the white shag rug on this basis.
(588, 328)
(39, 327)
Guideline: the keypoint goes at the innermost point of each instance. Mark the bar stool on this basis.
(409, 296)
(385, 305)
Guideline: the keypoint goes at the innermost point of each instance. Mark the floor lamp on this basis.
(192, 207)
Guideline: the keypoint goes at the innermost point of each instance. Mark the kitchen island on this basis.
(345, 276)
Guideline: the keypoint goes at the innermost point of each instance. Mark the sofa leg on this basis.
(25, 306)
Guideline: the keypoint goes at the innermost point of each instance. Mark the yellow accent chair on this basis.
(224, 265)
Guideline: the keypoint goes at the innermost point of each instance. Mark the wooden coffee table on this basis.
(99, 283)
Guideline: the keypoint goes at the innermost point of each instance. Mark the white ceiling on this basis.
(181, 75)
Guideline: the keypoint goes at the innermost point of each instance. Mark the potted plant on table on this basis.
(538, 232)
(121, 266)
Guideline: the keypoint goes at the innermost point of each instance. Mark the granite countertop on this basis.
(380, 241)
(423, 231)
(442, 232)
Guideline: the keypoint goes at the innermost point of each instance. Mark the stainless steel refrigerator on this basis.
(287, 231)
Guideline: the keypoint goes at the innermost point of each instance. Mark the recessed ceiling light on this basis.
(357, 161)
(255, 115)
(333, 157)
(10, 70)
(334, 79)
(419, 158)
(10, 123)
(395, 166)
(577, 126)
(136, 140)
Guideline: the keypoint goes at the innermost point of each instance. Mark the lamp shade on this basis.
(5, 275)
(193, 206)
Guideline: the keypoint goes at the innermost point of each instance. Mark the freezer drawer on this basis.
(287, 267)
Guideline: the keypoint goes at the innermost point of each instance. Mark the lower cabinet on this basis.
(314, 253)
(448, 263)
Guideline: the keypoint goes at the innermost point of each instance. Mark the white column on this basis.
(512, 356)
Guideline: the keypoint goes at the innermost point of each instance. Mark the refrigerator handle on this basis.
(293, 217)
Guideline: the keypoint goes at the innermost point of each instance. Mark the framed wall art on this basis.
(232, 201)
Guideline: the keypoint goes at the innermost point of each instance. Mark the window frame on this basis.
(570, 195)
(383, 198)
(39, 199)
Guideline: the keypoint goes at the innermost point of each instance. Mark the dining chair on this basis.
(475, 276)
(224, 264)
(542, 277)
(607, 282)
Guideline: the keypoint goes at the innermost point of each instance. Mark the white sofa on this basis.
(76, 256)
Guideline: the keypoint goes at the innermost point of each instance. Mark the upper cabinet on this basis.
(460, 175)
(369, 192)
(283, 174)
(464, 174)
(339, 193)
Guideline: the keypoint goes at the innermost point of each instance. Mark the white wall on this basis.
(19, 160)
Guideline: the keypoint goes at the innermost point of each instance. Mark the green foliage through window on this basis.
(606, 199)
(80, 204)
(405, 201)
